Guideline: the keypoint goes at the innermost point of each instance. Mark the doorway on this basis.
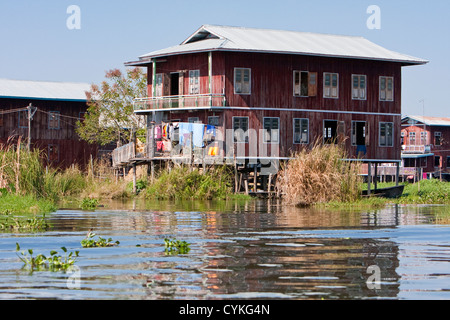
(330, 131)
(175, 84)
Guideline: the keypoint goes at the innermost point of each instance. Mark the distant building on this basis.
(426, 146)
(55, 108)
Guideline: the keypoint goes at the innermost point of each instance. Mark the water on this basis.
(252, 250)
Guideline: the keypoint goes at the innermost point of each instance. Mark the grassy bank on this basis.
(25, 205)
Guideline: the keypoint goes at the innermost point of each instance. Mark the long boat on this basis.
(390, 193)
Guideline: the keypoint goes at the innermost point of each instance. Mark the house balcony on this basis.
(186, 102)
(416, 149)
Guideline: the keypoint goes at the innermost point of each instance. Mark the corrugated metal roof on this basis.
(429, 121)
(21, 89)
(225, 38)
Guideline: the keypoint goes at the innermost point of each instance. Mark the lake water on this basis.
(239, 250)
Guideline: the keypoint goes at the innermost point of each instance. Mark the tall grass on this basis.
(319, 175)
(22, 173)
(184, 183)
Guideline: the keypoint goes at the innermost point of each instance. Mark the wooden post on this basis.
(246, 184)
(191, 136)
(369, 178)
(255, 180)
(375, 182)
(397, 174)
(29, 128)
(152, 169)
(134, 178)
(269, 185)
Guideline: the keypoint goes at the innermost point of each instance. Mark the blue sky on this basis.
(37, 45)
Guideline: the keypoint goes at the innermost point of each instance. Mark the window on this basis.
(448, 162)
(53, 120)
(194, 81)
(359, 87)
(412, 138)
(240, 128)
(403, 137)
(23, 119)
(271, 130)
(386, 137)
(242, 81)
(386, 89)
(423, 138)
(305, 84)
(193, 120)
(214, 121)
(331, 85)
(437, 138)
(437, 161)
(301, 131)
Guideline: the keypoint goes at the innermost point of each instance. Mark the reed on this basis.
(319, 175)
(186, 183)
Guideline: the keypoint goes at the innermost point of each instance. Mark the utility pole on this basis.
(31, 112)
(29, 127)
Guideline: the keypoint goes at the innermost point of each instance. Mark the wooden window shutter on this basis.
(367, 133)
(296, 83)
(181, 84)
(312, 84)
(166, 84)
(341, 131)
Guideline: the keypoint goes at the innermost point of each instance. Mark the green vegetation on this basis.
(174, 246)
(184, 183)
(90, 242)
(89, 204)
(54, 262)
(11, 223)
(425, 192)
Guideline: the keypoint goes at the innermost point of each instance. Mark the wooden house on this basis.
(54, 107)
(279, 91)
(426, 147)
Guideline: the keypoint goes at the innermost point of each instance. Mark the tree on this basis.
(110, 115)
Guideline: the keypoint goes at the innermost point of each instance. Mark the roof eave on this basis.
(145, 60)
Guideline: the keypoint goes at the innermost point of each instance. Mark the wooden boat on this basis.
(390, 193)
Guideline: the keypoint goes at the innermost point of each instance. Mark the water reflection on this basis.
(240, 250)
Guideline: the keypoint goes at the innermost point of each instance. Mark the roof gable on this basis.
(429, 121)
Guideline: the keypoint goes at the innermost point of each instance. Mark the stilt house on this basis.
(266, 94)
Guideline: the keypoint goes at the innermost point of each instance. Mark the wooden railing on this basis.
(122, 155)
(421, 149)
(183, 101)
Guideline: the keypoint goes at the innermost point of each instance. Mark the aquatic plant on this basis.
(89, 204)
(174, 246)
(90, 242)
(9, 222)
(54, 262)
